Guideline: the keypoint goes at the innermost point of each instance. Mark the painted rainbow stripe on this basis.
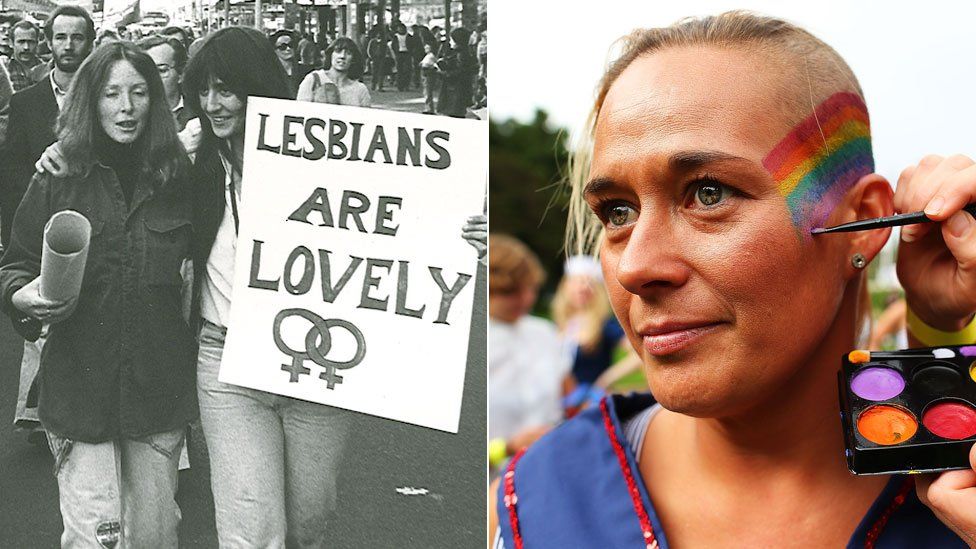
(822, 158)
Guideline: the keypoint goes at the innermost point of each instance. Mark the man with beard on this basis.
(25, 37)
(33, 113)
(34, 110)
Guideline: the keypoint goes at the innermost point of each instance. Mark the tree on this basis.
(527, 199)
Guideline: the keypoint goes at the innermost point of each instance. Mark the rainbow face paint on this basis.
(908, 411)
(822, 158)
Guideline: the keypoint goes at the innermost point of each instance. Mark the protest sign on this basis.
(353, 286)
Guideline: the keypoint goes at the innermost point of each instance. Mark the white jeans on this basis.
(118, 494)
(274, 460)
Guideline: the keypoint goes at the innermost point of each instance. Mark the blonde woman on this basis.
(590, 331)
(737, 313)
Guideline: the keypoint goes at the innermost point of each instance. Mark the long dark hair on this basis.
(356, 67)
(244, 60)
(80, 130)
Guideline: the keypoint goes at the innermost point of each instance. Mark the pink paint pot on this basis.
(950, 419)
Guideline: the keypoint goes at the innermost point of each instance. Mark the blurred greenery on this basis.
(525, 166)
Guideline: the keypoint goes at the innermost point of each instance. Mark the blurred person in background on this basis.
(308, 51)
(6, 92)
(170, 57)
(417, 53)
(285, 45)
(403, 46)
(526, 359)
(21, 65)
(589, 330)
(178, 33)
(891, 325)
(7, 20)
(428, 76)
(380, 56)
(458, 68)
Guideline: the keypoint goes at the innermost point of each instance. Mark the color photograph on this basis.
(731, 295)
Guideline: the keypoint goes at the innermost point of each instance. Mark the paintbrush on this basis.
(861, 356)
(881, 222)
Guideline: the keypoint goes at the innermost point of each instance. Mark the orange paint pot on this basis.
(887, 425)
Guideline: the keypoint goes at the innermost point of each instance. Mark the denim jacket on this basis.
(123, 364)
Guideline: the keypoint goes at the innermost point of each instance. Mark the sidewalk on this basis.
(405, 101)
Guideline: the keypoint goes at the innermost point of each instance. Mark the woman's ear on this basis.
(871, 197)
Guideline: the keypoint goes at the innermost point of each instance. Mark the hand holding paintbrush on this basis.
(882, 222)
(937, 268)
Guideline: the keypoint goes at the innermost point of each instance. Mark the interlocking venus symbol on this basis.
(318, 343)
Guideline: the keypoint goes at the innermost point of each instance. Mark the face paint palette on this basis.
(911, 411)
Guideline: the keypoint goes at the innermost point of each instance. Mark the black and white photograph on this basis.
(243, 276)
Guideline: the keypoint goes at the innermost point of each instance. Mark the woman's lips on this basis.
(666, 341)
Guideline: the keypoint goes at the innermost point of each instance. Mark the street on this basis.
(402, 485)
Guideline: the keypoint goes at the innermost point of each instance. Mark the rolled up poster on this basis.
(66, 238)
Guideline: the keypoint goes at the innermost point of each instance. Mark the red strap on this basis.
(896, 502)
(635, 497)
(511, 499)
(651, 542)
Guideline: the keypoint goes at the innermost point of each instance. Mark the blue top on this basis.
(587, 366)
(571, 491)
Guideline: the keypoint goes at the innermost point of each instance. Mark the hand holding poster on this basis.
(64, 254)
(353, 286)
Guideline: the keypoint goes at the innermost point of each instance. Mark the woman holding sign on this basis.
(117, 373)
(273, 459)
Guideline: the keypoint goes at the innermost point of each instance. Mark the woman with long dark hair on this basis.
(273, 459)
(337, 81)
(117, 373)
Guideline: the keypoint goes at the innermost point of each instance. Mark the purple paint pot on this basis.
(877, 384)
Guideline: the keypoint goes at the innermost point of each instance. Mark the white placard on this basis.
(376, 199)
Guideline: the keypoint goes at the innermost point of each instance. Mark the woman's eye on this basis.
(709, 194)
(618, 215)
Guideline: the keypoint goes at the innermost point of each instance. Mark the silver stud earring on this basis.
(858, 260)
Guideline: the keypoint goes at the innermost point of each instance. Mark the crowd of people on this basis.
(454, 64)
(145, 138)
(542, 372)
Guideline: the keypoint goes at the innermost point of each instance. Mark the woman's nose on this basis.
(210, 103)
(125, 102)
(652, 258)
